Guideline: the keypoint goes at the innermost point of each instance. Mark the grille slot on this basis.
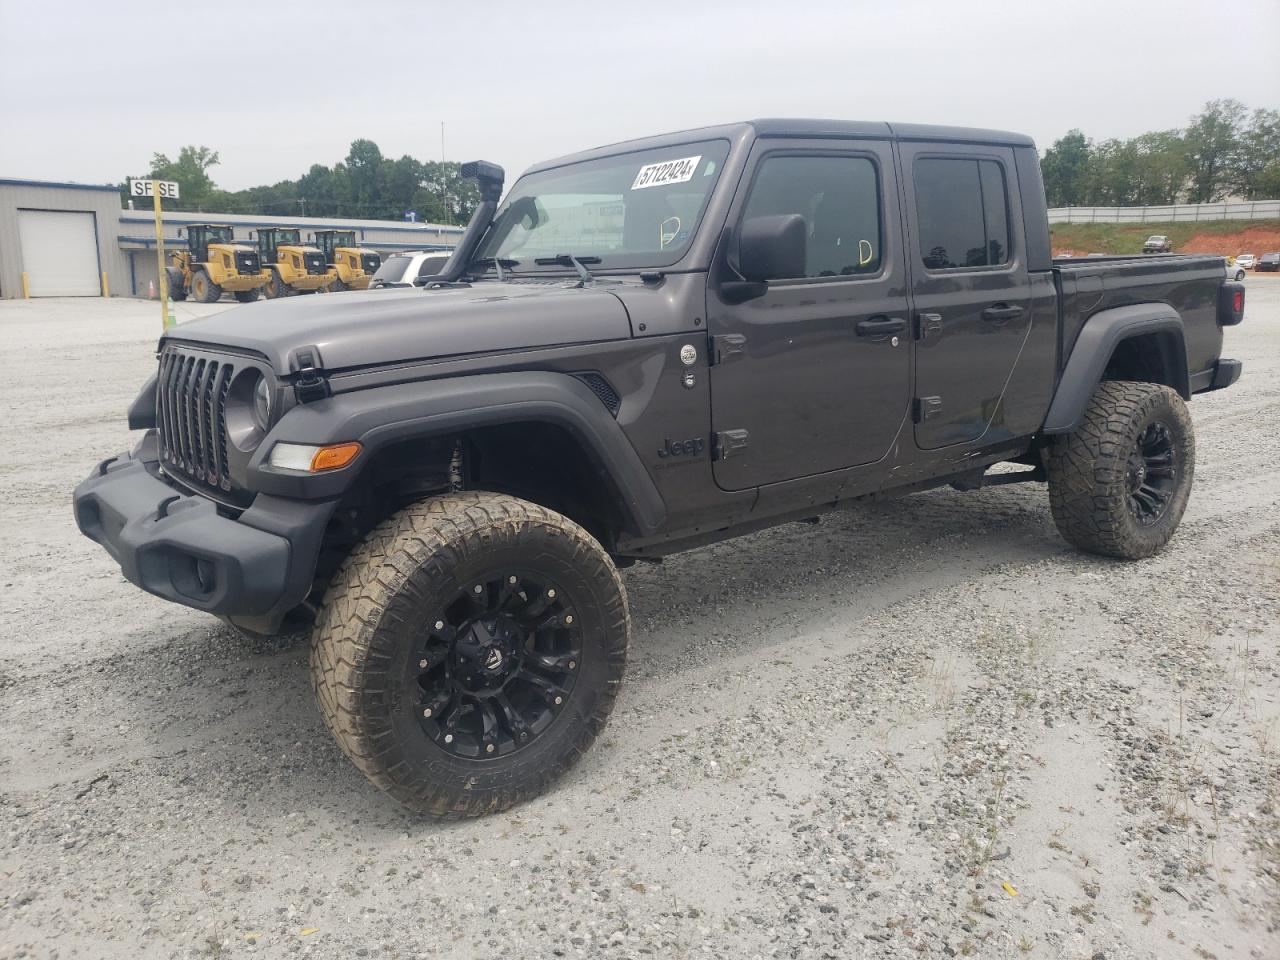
(191, 423)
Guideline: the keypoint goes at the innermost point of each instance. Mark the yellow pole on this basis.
(26, 286)
(162, 282)
(106, 287)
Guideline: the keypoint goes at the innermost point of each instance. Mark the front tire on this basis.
(247, 296)
(469, 651)
(203, 289)
(274, 287)
(1119, 483)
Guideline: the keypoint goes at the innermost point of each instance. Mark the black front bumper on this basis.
(251, 569)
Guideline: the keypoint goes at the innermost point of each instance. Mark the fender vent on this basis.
(602, 389)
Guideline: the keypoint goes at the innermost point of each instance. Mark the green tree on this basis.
(1065, 169)
(1213, 141)
(1257, 162)
(1161, 167)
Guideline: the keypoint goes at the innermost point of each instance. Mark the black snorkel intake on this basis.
(490, 177)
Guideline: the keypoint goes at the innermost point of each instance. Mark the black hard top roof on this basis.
(803, 129)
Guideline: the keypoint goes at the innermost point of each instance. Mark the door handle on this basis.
(1001, 312)
(880, 326)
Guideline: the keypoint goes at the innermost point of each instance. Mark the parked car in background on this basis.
(1157, 244)
(401, 269)
(1246, 260)
(1234, 270)
(1268, 262)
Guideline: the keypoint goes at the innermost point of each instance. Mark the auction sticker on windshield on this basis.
(669, 171)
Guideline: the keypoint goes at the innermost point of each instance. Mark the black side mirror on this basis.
(772, 248)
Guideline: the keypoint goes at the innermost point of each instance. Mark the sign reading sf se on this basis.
(146, 188)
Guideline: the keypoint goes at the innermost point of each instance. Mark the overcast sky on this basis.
(89, 90)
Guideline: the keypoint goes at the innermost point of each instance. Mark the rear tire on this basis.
(1119, 483)
(247, 296)
(469, 651)
(203, 289)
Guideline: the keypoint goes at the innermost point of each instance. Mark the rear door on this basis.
(970, 288)
(814, 375)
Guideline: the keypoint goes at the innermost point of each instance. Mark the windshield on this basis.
(218, 235)
(630, 210)
(392, 269)
(342, 238)
(287, 236)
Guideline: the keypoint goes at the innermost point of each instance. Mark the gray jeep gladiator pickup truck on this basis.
(646, 347)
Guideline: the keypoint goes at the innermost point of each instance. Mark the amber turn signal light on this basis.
(334, 457)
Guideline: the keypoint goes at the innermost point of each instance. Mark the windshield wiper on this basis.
(498, 264)
(569, 260)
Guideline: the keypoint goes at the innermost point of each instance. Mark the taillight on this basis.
(1230, 304)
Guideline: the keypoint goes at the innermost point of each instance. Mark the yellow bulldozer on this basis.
(293, 267)
(350, 267)
(212, 264)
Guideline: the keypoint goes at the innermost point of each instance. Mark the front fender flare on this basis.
(1095, 346)
(381, 416)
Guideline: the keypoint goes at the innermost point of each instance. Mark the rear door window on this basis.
(963, 210)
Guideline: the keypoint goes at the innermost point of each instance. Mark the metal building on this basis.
(59, 239)
(74, 240)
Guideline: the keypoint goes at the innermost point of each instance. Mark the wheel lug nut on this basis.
(559, 700)
(479, 588)
(573, 664)
(488, 748)
(423, 663)
(439, 624)
(568, 619)
(426, 712)
(551, 594)
(511, 580)
(448, 738)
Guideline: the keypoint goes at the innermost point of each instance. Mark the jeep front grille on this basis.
(191, 401)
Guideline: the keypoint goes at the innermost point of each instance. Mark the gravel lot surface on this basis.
(923, 728)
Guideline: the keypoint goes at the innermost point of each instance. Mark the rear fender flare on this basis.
(1096, 344)
(382, 416)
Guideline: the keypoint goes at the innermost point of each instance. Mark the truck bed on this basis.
(1187, 282)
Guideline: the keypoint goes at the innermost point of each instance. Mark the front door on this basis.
(970, 289)
(813, 375)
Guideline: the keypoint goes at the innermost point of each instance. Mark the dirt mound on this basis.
(1255, 240)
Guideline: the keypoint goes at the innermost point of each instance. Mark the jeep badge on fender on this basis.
(681, 448)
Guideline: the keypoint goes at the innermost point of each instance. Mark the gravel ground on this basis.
(924, 728)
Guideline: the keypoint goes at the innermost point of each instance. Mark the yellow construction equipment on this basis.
(350, 267)
(213, 263)
(293, 266)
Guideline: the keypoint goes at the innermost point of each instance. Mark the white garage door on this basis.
(59, 253)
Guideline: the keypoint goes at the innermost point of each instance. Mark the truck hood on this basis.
(380, 327)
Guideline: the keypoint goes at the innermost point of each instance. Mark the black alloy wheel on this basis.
(1151, 474)
(493, 669)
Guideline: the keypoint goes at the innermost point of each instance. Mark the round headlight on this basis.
(262, 404)
(248, 409)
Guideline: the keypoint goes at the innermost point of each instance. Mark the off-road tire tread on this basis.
(1086, 471)
(347, 672)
